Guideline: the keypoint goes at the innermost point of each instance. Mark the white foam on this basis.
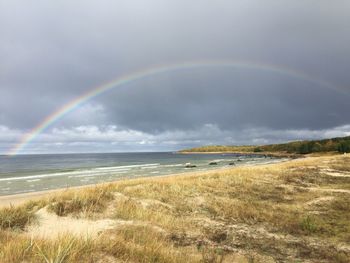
(174, 165)
(100, 171)
(33, 180)
(127, 166)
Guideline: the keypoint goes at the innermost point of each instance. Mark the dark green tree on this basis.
(344, 147)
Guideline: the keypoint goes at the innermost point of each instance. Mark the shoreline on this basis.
(18, 199)
(21, 198)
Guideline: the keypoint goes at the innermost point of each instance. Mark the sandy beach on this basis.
(18, 199)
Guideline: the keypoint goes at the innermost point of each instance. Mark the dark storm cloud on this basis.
(51, 52)
(232, 99)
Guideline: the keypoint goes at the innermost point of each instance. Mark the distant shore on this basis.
(267, 154)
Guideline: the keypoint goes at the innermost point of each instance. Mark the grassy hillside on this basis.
(341, 144)
(297, 211)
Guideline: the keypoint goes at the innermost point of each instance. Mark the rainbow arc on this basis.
(153, 71)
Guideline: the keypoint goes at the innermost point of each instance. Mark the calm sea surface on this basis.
(29, 173)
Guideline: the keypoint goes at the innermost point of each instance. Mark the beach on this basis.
(34, 173)
(296, 209)
(18, 199)
(21, 198)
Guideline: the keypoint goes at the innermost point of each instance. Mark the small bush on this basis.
(211, 255)
(309, 225)
(87, 201)
(344, 147)
(15, 217)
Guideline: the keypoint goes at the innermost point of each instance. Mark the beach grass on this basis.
(87, 201)
(297, 210)
(16, 217)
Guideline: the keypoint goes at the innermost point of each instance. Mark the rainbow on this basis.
(152, 71)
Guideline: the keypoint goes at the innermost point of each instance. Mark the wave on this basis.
(99, 171)
(174, 165)
(33, 180)
(128, 166)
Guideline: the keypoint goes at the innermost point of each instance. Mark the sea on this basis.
(31, 173)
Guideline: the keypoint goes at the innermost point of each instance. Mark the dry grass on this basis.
(16, 217)
(21, 248)
(268, 213)
(87, 201)
(134, 243)
(143, 244)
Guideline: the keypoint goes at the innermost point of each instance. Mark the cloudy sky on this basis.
(52, 52)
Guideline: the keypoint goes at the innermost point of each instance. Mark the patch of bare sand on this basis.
(320, 200)
(335, 173)
(20, 199)
(329, 190)
(50, 225)
(147, 203)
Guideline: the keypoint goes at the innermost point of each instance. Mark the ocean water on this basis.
(30, 173)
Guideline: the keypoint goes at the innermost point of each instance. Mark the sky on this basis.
(52, 52)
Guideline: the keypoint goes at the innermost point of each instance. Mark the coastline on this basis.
(18, 199)
(267, 154)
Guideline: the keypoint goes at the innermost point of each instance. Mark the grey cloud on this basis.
(232, 99)
(52, 52)
(115, 139)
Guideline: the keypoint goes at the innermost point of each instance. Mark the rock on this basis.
(213, 163)
(232, 163)
(189, 165)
